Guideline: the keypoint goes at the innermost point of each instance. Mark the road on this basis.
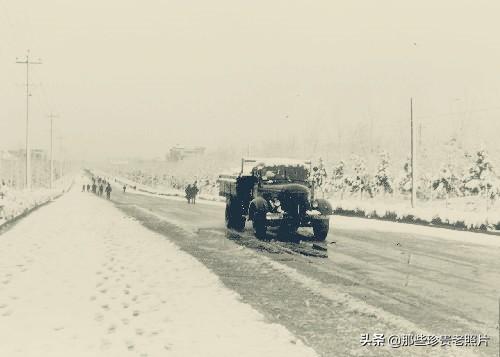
(378, 278)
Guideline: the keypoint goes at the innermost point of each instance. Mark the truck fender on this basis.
(324, 206)
(257, 206)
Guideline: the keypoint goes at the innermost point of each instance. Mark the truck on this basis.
(274, 192)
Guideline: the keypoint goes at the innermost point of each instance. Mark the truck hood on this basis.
(286, 189)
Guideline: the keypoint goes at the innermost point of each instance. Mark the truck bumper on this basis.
(278, 219)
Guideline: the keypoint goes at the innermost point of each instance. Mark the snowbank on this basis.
(427, 215)
(18, 202)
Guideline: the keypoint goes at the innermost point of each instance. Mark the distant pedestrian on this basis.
(124, 188)
(3, 190)
(108, 191)
(194, 192)
(88, 187)
(83, 188)
(101, 189)
(189, 192)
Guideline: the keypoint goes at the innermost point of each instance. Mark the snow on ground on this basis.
(16, 202)
(427, 212)
(78, 278)
(365, 224)
(171, 193)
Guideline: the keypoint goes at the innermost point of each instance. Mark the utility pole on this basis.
(27, 62)
(413, 158)
(52, 116)
(61, 160)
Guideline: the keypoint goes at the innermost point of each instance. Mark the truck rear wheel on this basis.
(233, 217)
(320, 229)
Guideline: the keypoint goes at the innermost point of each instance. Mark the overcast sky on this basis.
(136, 77)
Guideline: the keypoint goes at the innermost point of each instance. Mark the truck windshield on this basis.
(282, 173)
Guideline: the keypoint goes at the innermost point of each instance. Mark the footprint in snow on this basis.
(112, 328)
(98, 317)
(105, 344)
(130, 345)
(7, 313)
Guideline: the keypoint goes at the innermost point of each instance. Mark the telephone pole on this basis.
(28, 62)
(413, 158)
(52, 116)
(61, 160)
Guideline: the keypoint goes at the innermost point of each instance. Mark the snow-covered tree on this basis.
(404, 180)
(320, 177)
(424, 190)
(446, 183)
(338, 177)
(383, 180)
(359, 180)
(480, 178)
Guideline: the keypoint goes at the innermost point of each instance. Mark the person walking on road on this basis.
(194, 192)
(108, 191)
(94, 188)
(188, 193)
(88, 187)
(124, 188)
(101, 189)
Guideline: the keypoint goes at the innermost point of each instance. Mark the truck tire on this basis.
(259, 226)
(257, 213)
(233, 217)
(320, 229)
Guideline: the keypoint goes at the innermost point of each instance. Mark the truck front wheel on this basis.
(320, 229)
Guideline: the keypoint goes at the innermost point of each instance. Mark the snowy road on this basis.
(380, 277)
(83, 277)
(80, 278)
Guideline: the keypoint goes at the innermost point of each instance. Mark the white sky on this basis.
(135, 77)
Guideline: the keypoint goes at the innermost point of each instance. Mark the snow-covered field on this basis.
(17, 202)
(79, 278)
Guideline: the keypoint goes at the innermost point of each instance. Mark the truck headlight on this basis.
(315, 204)
(275, 202)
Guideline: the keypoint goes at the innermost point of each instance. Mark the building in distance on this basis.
(178, 153)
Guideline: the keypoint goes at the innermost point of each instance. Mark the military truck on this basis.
(274, 193)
